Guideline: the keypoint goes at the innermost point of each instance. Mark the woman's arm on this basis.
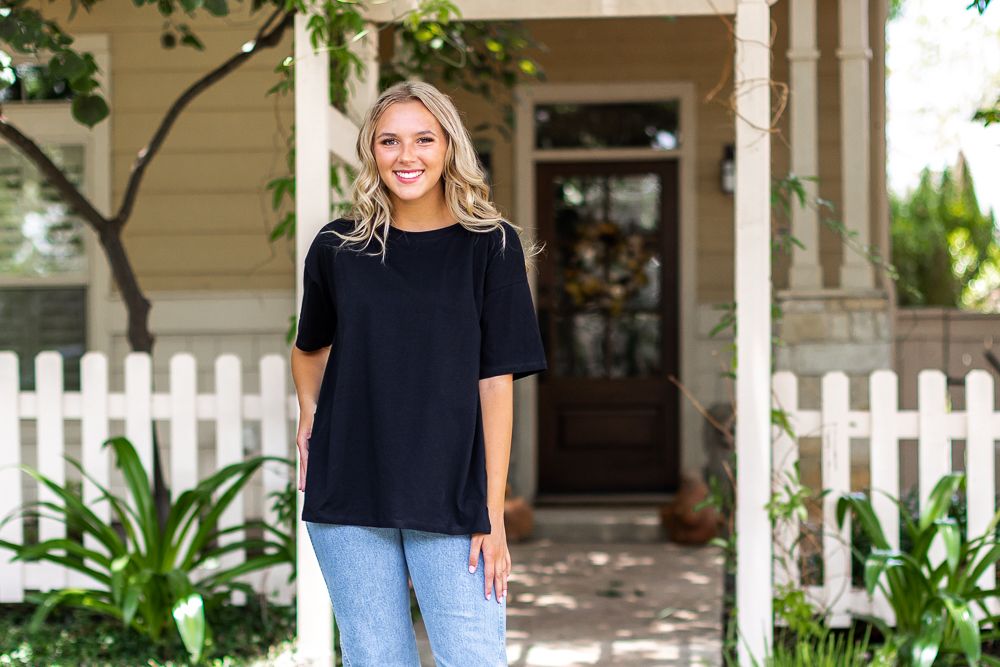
(307, 375)
(496, 395)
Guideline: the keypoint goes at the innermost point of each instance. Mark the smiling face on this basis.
(409, 152)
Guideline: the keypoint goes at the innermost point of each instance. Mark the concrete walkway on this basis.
(630, 604)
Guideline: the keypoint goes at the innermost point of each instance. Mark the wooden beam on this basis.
(490, 10)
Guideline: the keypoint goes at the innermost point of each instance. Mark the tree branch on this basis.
(265, 39)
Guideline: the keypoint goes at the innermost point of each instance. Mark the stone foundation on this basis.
(833, 330)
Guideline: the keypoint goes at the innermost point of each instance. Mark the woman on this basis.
(416, 319)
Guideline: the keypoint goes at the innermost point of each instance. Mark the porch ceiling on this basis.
(490, 10)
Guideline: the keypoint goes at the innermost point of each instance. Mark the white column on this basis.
(313, 620)
(753, 340)
(855, 139)
(805, 272)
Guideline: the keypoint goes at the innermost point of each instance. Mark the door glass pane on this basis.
(610, 125)
(607, 275)
(39, 236)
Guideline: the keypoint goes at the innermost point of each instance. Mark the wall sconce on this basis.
(727, 170)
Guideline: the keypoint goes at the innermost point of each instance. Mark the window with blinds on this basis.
(43, 264)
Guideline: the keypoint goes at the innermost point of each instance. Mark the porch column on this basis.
(805, 272)
(313, 613)
(855, 139)
(753, 312)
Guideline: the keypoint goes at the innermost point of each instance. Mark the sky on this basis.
(943, 63)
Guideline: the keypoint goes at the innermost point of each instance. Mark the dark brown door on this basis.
(608, 304)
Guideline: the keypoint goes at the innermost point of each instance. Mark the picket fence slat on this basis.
(11, 573)
(138, 424)
(883, 444)
(785, 457)
(933, 447)
(274, 442)
(229, 450)
(836, 472)
(50, 463)
(94, 458)
(980, 464)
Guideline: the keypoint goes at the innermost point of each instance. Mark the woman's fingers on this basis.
(474, 546)
(506, 574)
(495, 570)
(500, 585)
(489, 570)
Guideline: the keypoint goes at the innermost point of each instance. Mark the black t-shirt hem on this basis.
(518, 370)
(447, 529)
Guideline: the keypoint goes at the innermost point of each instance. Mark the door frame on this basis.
(524, 456)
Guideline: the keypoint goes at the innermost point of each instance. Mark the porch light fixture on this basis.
(727, 170)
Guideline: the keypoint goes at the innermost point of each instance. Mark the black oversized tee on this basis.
(397, 439)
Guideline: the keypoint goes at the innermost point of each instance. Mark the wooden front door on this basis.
(608, 302)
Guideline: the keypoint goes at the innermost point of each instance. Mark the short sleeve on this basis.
(511, 339)
(318, 315)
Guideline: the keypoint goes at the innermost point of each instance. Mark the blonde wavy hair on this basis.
(465, 189)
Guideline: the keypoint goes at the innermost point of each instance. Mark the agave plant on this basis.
(933, 602)
(147, 576)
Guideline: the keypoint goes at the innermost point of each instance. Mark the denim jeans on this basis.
(366, 569)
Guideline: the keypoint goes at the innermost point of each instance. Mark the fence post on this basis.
(274, 442)
(139, 408)
(51, 447)
(94, 457)
(229, 450)
(836, 472)
(785, 458)
(980, 465)
(883, 460)
(184, 455)
(934, 447)
(11, 573)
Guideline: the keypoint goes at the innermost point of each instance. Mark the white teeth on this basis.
(410, 174)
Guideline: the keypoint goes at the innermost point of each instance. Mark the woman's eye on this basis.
(385, 142)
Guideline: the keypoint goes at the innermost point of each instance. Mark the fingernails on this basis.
(472, 568)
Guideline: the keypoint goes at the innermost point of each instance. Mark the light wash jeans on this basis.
(366, 568)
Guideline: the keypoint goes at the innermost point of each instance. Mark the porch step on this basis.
(602, 524)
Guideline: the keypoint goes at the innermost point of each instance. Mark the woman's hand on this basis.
(496, 556)
(302, 442)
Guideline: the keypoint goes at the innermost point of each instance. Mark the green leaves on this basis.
(145, 580)
(188, 613)
(932, 601)
(943, 243)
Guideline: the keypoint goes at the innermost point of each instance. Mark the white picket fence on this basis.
(933, 425)
(182, 408)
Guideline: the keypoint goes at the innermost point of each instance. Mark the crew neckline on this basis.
(426, 234)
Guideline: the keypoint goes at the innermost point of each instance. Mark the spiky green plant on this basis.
(933, 602)
(146, 577)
